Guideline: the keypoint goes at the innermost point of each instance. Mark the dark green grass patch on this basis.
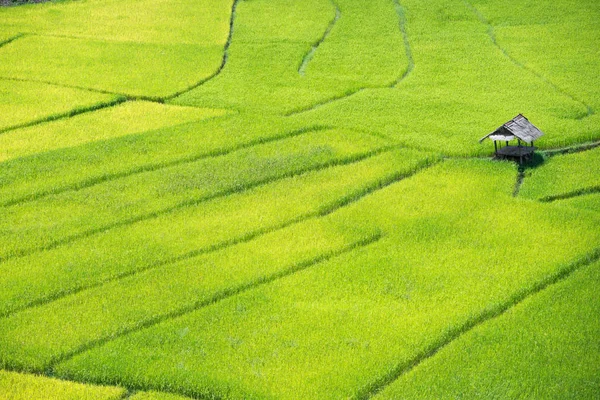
(544, 348)
(462, 87)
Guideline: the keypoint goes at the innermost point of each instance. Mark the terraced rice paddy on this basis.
(280, 199)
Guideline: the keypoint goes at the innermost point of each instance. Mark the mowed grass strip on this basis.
(36, 338)
(96, 162)
(121, 120)
(337, 329)
(61, 218)
(129, 68)
(16, 386)
(364, 48)
(544, 348)
(121, 251)
(24, 103)
(563, 176)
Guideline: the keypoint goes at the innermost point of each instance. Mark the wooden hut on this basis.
(517, 128)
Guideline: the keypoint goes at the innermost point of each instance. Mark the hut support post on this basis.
(496, 148)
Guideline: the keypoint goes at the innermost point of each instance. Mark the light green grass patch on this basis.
(156, 396)
(16, 386)
(203, 22)
(544, 348)
(113, 122)
(136, 69)
(23, 103)
(563, 176)
(333, 330)
(50, 274)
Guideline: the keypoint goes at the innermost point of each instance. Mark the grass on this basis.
(15, 386)
(124, 249)
(563, 176)
(358, 315)
(452, 51)
(184, 22)
(128, 68)
(276, 199)
(122, 120)
(26, 103)
(270, 42)
(558, 328)
(43, 223)
(156, 294)
(117, 53)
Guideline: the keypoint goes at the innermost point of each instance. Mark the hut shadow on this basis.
(535, 161)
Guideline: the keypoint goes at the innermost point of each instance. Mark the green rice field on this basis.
(282, 199)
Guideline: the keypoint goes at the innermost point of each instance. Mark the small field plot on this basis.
(15, 386)
(335, 330)
(135, 69)
(563, 176)
(546, 347)
(26, 103)
(125, 119)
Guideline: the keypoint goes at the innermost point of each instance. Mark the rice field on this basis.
(274, 199)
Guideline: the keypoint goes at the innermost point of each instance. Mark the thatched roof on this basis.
(519, 127)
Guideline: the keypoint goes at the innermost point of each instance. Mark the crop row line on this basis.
(321, 212)
(67, 86)
(569, 195)
(311, 52)
(12, 39)
(217, 297)
(519, 181)
(68, 114)
(492, 35)
(223, 61)
(409, 56)
(162, 165)
(571, 149)
(196, 201)
(487, 315)
(402, 26)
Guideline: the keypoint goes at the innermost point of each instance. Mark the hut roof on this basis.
(519, 127)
